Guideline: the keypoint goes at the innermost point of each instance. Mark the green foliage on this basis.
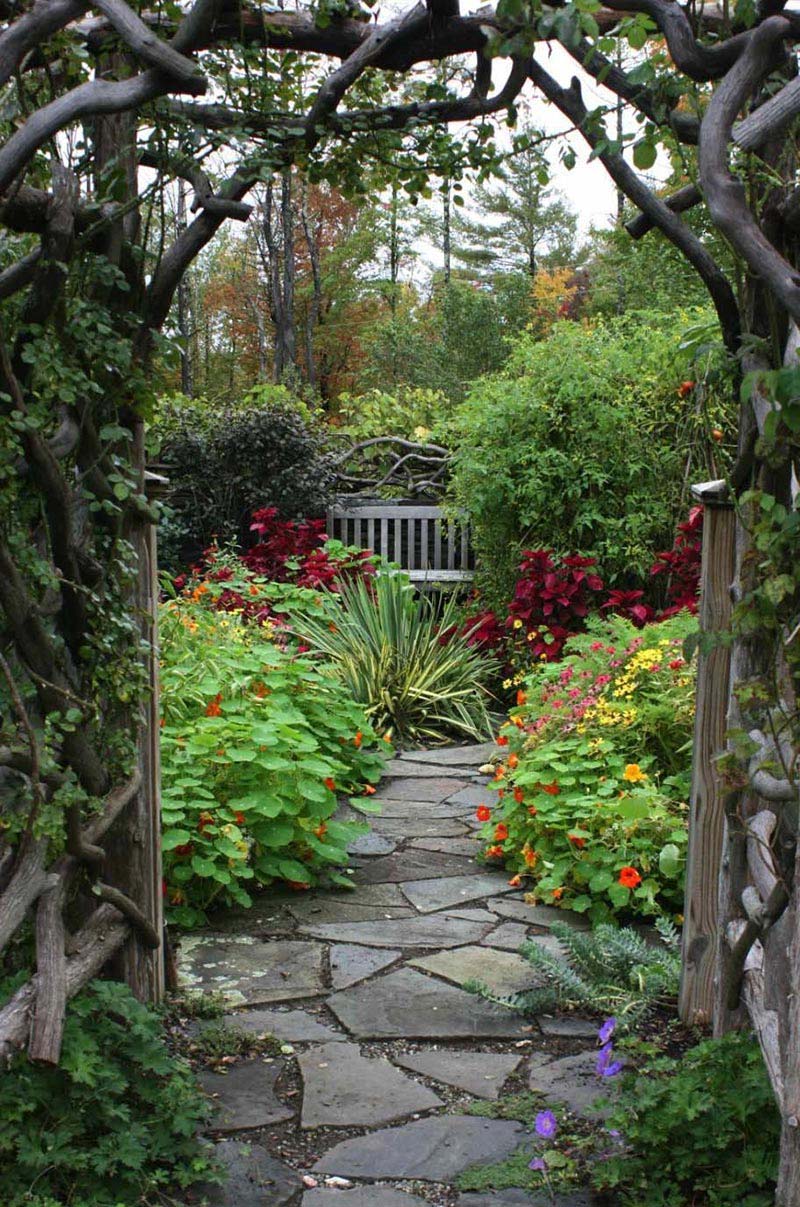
(398, 654)
(579, 445)
(256, 743)
(591, 798)
(411, 411)
(224, 462)
(700, 1129)
(114, 1124)
(608, 970)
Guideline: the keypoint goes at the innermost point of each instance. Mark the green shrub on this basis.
(402, 657)
(702, 1129)
(257, 741)
(115, 1123)
(579, 445)
(608, 970)
(224, 462)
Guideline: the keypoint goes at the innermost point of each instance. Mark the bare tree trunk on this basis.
(184, 301)
(287, 224)
(314, 313)
(446, 240)
(394, 250)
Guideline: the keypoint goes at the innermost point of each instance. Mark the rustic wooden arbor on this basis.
(741, 939)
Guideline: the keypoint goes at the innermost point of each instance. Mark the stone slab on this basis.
(254, 1179)
(402, 767)
(572, 1080)
(351, 963)
(474, 755)
(435, 789)
(407, 1004)
(565, 1026)
(435, 931)
(421, 808)
(524, 1198)
(435, 894)
(538, 915)
(290, 1026)
(473, 915)
(434, 1150)
(372, 845)
(245, 1097)
(419, 827)
(342, 1088)
(249, 971)
(412, 865)
(502, 972)
(338, 910)
(509, 936)
(446, 846)
(362, 1196)
(473, 795)
(480, 1073)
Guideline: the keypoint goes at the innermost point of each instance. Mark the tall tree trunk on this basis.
(287, 334)
(446, 238)
(314, 312)
(394, 250)
(184, 309)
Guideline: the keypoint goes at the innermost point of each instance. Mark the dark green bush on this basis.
(113, 1125)
(701, 1130)
(224, 462)
(579, 445)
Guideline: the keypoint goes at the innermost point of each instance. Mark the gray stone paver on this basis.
(479, 1073)
(501, 971)
(361, 1196)
(406, 1004)
(244, 1097)
(435, 894)
(420, 790)
(291, 1026)
(254, 1179)
(386, 962)
(430, 931)
(466, 756)
(351, 963)
(342, 1088)
(433, 1150)
(249, 971)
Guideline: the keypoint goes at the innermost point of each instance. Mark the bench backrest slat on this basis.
(417, 536)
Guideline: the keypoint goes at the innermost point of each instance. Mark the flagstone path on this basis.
(382, 1049)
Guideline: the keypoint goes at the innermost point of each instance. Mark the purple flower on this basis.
(606, 1066)
(538, 1164)
(546, 1125)
(607, 1030)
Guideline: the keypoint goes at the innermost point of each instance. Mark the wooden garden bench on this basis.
(427, 545)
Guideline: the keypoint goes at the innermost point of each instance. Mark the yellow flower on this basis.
(517, 624)
(633, 774)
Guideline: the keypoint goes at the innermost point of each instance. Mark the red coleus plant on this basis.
(682, 564)
(552, 598)
(290, 551)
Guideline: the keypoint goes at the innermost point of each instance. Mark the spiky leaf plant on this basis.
(609, 970)
(403, 656)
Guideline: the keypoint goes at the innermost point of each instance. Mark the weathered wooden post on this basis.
(133, 862)
(707, 813)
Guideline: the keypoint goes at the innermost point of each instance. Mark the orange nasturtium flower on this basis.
(502, 740)
(521, 698)
(530, 856)
(558, 893)
(212, 708)
(532, 810)
(321, 830)
(369, 790)
(501, 832)
(551, 789)
(577, 841)
(519, 795)
(513, 759)
(629, 877)
(494, 852)
(358, 739)
(483, 813)
(515, 881)
(633, 774)
(239, 818)
(330, 784)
